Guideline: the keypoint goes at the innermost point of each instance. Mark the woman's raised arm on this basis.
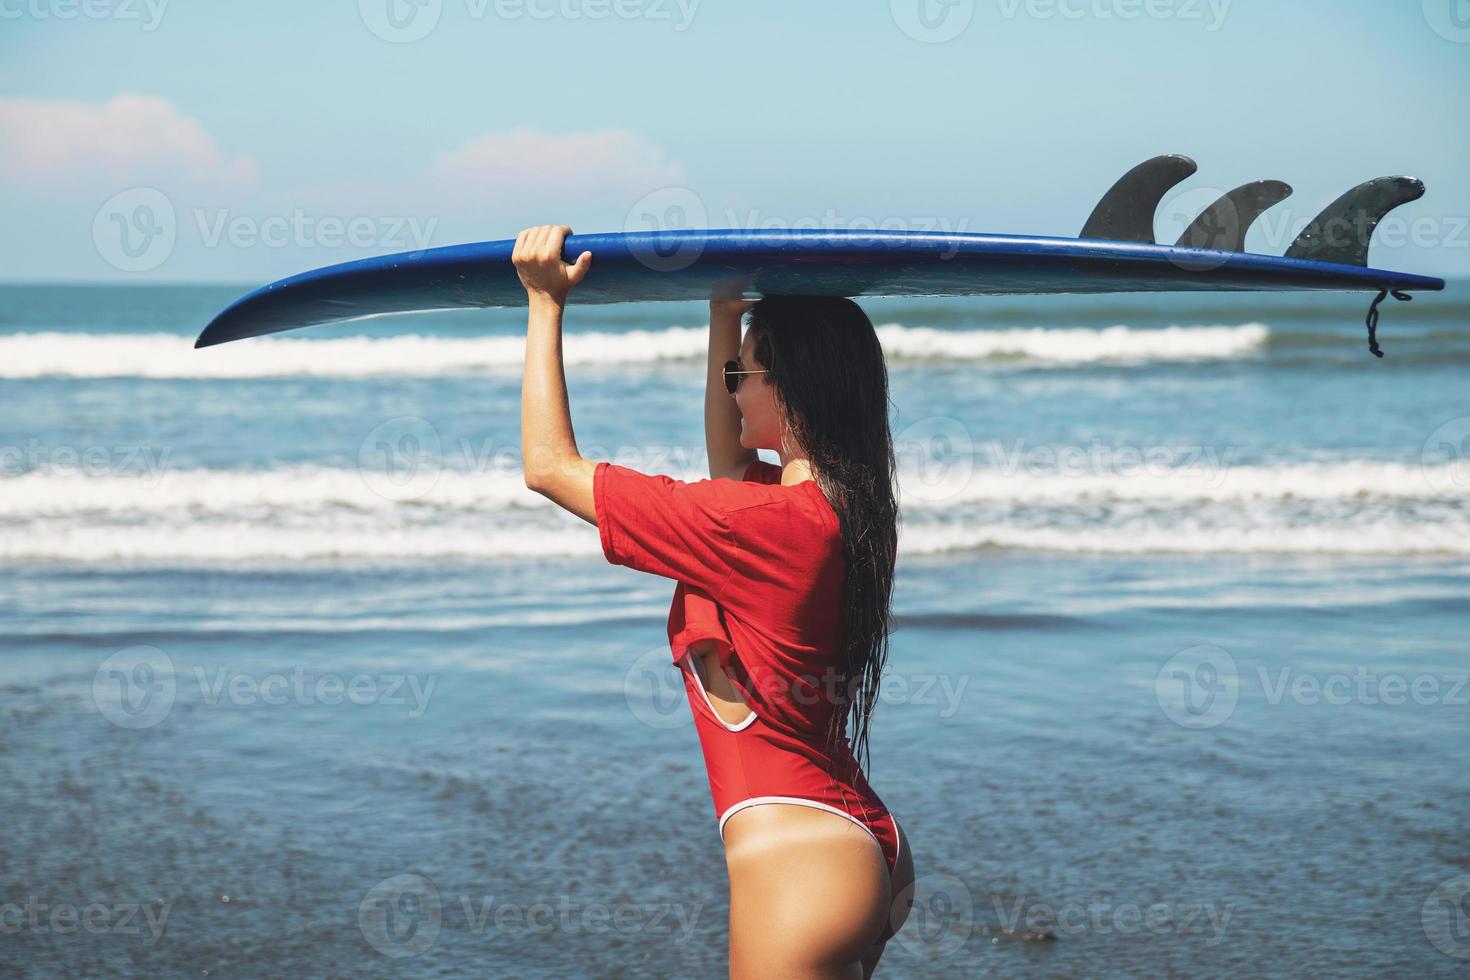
(549, 458)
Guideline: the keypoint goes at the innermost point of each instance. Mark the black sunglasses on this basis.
(733, 373)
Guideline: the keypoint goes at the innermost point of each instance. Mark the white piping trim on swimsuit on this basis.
(757, 800)
(696, 666)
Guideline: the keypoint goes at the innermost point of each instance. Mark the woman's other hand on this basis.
(730, 307)
(725, 300)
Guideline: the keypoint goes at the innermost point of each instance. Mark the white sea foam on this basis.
(1390, 538)
(159, 355)
(1346, 507)
(1047, 475)
(1075, 346)
(67, 491)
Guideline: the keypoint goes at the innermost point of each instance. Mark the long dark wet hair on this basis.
(823, 357)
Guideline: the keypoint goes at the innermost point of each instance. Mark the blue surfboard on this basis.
(1115, 254)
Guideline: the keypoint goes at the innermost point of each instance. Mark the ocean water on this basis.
(298, 679)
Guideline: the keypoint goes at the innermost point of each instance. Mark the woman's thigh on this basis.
(809, 892)
(900, 903)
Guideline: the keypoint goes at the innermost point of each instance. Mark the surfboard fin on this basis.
(1342, 233)
(1126, 212)
(1223, 225)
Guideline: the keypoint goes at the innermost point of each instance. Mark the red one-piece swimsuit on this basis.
(759, 568)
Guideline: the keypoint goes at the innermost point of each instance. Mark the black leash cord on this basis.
(1383, 294)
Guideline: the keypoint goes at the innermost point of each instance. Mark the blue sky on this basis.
(274, 136)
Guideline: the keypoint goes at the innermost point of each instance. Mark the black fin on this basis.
(1342, 232)
(1126, 212)
(1223, 225)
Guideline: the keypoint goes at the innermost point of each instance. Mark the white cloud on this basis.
(524, 167)
(128, 138)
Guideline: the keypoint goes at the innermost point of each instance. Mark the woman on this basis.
(780, 617)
